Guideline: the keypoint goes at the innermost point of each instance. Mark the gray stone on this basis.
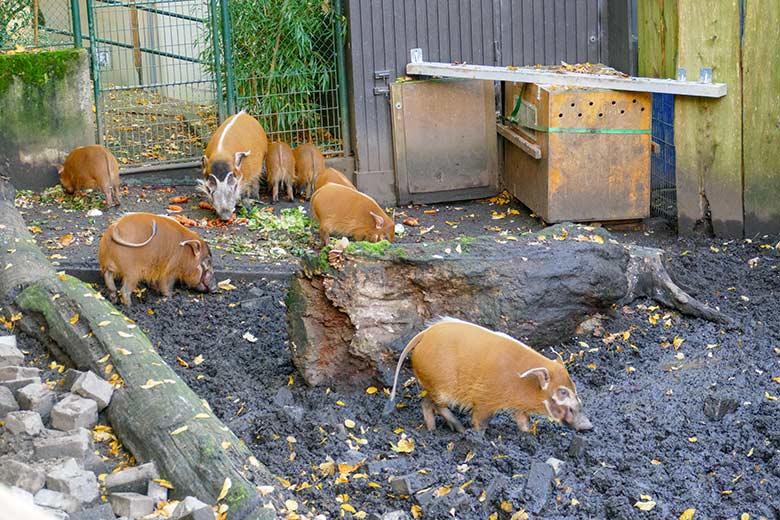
(9, 373)
(37, 397)
(7, 402)
(19, 474)
(75, 444)
(295, 413)
(10, 356)
(577, 447)
(537, 487)
(55, 514)
(156, 492)
(555, 464)
(74, 412)
(70, 479)
(14, 385)
(99, 512)
(69, 378)
(716, 407)
(284, 397)
(410, 484)
(133, 479)
(396, 515)
(93, 387)
(24, 421)
(192, 509)
(96, 464)
(57, 500)
(131, 505)
(22, 495)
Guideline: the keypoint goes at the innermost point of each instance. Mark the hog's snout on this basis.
(580, 422)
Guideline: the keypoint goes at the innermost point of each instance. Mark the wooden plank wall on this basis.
(761, 116)
(708, 133)
(657, 34)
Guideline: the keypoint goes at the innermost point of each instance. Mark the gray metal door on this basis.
(487, 32)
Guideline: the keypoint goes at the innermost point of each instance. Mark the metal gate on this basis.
(157, 100)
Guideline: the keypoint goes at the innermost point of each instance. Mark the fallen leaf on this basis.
(225, 488)
(770, 396)
(202, 415)
(249, 337)
(151, 383)
(597, 239)
(693, 439)
(411, 222)
(182, 362)
(655, 462)
(291, 505)
(349, 508)
(123, 351)
(173, 208)
(443, 491)
(103, 323)
(349, 423)
(74, 319)
(431, 211)
(205, 205)
(177, 431)
(124, 334)
(405, 445)
(225, 445)
(416, 511)
(371, 390)
(67, 240)
(677, 342)
(688, 514)
(225, 285)
(646, 505)
(164, 483)
(181, 199)
(198, 359)
(104, 358)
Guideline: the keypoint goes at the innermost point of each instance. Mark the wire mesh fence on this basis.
(36, 23)
(663, 184)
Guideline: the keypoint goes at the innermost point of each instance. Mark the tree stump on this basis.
(349, 325)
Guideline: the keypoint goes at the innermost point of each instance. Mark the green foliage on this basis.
(55, 195)
(36, 68)
(291, 220)
(284, 63)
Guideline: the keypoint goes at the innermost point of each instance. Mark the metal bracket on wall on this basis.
(382, 90)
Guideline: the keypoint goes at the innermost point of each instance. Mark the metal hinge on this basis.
(382, 90)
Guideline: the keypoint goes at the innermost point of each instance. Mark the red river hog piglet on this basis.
(466, 366)
(347, 212)
(280, 166)
(141, 247)
(309, 163)
(92, 167)
(334, 176)
(233, 163)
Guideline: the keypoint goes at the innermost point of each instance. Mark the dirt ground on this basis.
(644, 382)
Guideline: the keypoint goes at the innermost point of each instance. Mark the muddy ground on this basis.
(644, 383)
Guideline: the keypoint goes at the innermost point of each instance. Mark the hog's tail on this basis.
(390, 405)
(121, 241)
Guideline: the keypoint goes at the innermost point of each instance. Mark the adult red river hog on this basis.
(280, 167)
(309, 163)
(347, 212)
(334, 176)
(233, 163)
(92, 166)
(141, 247)
(473, 368)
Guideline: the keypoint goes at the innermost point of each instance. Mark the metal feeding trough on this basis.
(578, 153)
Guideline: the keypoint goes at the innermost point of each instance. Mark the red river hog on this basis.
(309, 163)
(466, 366)
(233, 163)
(280, 166)
(141, 247)
(347, 212)
(92, 166)
(334, 176)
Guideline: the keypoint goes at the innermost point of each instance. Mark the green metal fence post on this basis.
(213, 14)
(94, 69)
(227, 42)
(75, 13)
(346, 138)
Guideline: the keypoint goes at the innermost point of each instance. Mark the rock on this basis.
(577, 447)
(74, 412)
(24, 421)
(537, 487)
(396, 515)
(716, 407)
(284, 397)
(69, 378)
(93, 387)
(75, 444)
(37, 397)
(131, 505)
(132, 480)
(99, 512)
(68, 478)
(10, 373)
(22, 495)
(18, 474)
(192, 509)
(156, 492)
(10, 356)
(410, 483)
(57, 500)
(7, 402)
(14, 385)
(96, 464)
(55, 514)
(555, 464)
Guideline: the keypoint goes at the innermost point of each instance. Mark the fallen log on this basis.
(349, 325)
(154, 413)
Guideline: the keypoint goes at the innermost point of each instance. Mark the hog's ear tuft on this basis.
(60, 169)
(239, 156)
(194, 244)
(380, 221)
(542, 375)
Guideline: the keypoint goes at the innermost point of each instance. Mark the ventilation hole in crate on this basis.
(601, 115)
(579, 115)
(642, 109)
(622, 111)
(572, 105)
(614, 102)
(590, 103)
(560, 115)
(633, 100)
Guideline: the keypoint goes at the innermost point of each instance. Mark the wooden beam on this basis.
(516, 139)
(708, 132)
(761, 116)
(540, 76)
(657, 34)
